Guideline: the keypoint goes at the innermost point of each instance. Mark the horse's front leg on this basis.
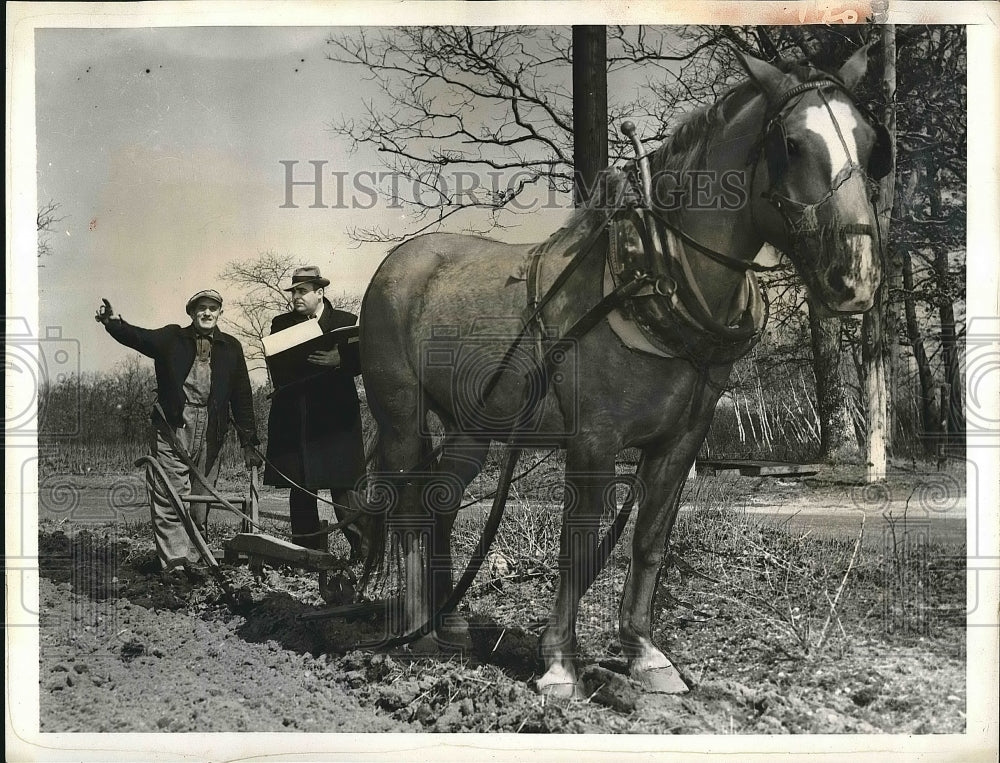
(662, 475)
(587, 476)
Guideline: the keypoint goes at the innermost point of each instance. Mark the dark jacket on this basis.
(172, 349)
(314, 428)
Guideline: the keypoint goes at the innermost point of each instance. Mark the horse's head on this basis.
(810, 195)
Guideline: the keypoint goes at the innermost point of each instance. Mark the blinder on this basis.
(880, 161)
(776, 149)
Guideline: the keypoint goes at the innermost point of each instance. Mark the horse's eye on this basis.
(792, 146)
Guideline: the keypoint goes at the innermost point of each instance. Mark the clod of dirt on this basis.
(865, 695)
(605, 687)
(132, 649)
(398, 695)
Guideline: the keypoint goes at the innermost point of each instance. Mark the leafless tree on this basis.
(46, 221)
(259, 297)
(480, 118)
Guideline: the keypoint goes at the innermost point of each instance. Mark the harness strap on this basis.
(543, 375)
(532, 314)
(722, 259)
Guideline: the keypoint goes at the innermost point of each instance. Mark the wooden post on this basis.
(590, 108)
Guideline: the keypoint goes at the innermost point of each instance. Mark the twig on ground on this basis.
(843, 583)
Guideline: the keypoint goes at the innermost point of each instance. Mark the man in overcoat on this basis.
(201, 376)
(314, 429)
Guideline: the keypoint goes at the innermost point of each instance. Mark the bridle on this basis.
(772, 147)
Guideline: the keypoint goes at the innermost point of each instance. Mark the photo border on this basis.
(24, 739)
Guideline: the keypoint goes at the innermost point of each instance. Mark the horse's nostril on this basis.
(840, 285)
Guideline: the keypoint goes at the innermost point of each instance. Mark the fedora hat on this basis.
(308, 274)
(208, 293)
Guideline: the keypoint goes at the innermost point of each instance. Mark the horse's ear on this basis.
(852, 71)
(770, 79)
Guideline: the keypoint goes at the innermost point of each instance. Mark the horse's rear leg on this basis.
(587, 477)
(462, 459)
(402, 450)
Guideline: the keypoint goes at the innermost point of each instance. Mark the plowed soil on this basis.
(776, 630)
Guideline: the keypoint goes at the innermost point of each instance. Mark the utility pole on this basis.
(590, 108)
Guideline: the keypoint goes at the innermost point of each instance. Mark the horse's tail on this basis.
(373, 526)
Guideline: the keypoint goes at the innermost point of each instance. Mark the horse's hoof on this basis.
(425, 646)
(664, 680)
(454, 638)
(559, 691)
(559, 683)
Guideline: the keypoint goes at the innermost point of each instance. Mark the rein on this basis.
(542, 379)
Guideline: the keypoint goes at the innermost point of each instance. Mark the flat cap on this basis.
(208, 293)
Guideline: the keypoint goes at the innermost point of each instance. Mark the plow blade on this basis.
(273, 550)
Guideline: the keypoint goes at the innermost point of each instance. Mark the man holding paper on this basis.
(314, 428)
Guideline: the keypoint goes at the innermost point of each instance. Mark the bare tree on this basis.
(46, 221)
(258, 283)
(131, 386)
(481, 118)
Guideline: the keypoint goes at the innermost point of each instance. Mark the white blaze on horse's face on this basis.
(818, 119)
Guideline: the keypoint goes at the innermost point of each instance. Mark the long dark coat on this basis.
(314, 428)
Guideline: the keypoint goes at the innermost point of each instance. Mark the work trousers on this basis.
(173, 544)
(304, 513)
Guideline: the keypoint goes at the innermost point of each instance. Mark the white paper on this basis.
(290, 337)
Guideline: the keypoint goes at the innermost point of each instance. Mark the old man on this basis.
(201, 376)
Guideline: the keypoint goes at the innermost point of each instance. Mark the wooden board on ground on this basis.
(276, 516)
(754, 468)
(275, 550)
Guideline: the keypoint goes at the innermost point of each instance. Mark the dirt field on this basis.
(745, 610)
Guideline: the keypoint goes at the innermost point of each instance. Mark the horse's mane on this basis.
(685, 148)
(682, 151)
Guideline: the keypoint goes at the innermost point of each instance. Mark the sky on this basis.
(162, 147)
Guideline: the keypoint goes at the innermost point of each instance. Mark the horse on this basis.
(637, 308)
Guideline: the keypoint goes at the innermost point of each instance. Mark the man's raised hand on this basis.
(104, 312)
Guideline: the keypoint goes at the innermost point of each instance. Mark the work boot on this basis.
(174, 577)
(196, 573)
(337, 588)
